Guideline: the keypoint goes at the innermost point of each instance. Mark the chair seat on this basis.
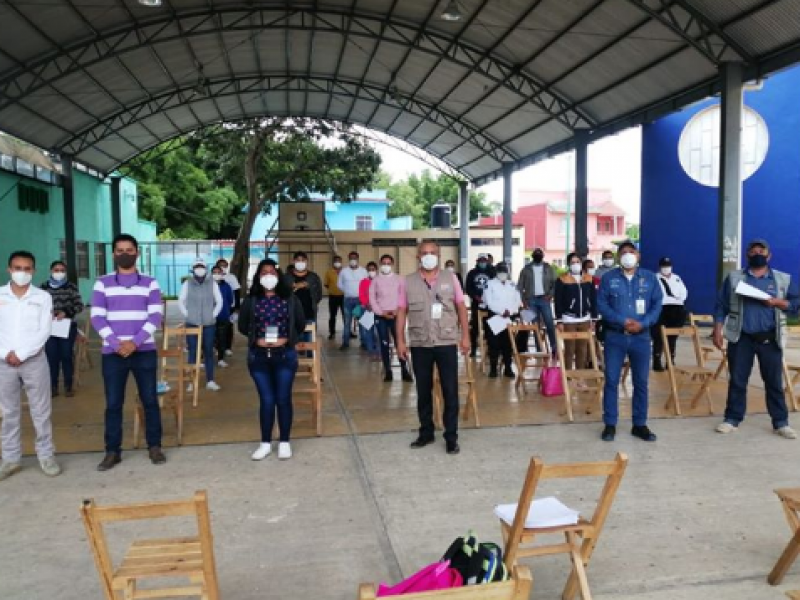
(694, 370)
(585, 374)
(160, 558)
(795, 368)
(581, 525)
(790, 495)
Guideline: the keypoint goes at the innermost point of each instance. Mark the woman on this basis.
(368, 338)
(590, 270)
(232, 281)
(576, 306)
(67, 304)
(224, 328)
(273, 320)
(384, 294)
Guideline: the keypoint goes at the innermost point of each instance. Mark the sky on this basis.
(614, 163)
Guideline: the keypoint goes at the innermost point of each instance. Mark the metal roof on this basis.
(104, 80)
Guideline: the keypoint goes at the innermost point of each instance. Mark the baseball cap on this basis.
(758, 242)
(198, 262)
(664, 261)
(482, 256)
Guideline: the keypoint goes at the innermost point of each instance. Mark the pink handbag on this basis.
(550, 383)
(438, 576)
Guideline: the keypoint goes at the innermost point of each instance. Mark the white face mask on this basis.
(608, 262)
(58, 276)
(300, 266)
(354, 262)
(21, 278)
(337, 265)
(451, 269)
(666, 271)
(575, 268)
(386, 269)
(225, 270)
(429, 262)
(218, 277)
(502, 276)
(200, 272)
(591, 271)
(372, 274)
(628, 260)
(269, 282)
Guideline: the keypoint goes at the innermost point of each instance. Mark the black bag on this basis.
(478, 563)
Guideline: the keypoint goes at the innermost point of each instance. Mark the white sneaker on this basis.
(284, 450)
(787, 432)
(222, 364)
(190, 388)
(213, 386)
(727, 428)
(50, 467)
(7, 469)
(228, 352)
(263, 451)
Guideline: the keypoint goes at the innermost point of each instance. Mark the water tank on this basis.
(440, 216)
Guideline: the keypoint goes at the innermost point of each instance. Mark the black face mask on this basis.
(537, 258)
(125, 261)
(757, 261)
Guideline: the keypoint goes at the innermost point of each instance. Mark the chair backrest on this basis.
(690, 331)
(173, 368)
(538, 471)
(587, 336)
(315, 362)
(175, 337)
(533, 330)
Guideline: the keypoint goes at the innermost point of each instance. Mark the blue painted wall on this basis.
(679, 216)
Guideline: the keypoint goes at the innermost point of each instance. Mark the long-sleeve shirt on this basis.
(126, 306)
(66, 298)
(24, 322)
(228, 301)
(677, 293)
(384, 293)
(332, 282)
(502, 296)
(618, 298)
(349, 278)
(756, 317)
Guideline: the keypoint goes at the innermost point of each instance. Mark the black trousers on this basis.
(499, 345)
(222, 337)
(335, 305)
(672, 315)
(445, 359)
(474, 324)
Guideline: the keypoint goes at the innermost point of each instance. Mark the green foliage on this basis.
(632, 232)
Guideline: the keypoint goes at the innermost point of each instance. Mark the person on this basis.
(673, 313)
(348, 282)
(502, 299)
(576, 306)
(224, 326)
(450, 265)
(126, 312)
(307, 286)
(753, 328)
(477, 280)
(232, 281)
(67, 304)
(368, 336)
(26, 313)
(606, 264)
(630, 302)
(384, 294)
(432, 304)
(273, 320)
(200, 301)
(590, 270)
(537, 282)
(335, 295)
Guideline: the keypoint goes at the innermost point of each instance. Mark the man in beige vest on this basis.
(432, 303)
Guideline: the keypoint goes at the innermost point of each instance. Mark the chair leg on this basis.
(318, 410)
(137, 421)
(578, 571)
(786, 560)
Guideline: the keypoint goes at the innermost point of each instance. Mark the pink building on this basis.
(544, 215)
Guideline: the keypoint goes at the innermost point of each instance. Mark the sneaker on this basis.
(657, 366)
(406, 376)
(786, 432)
(284, 451)
(50, 467)
(222, 364)
(508, 372)
(213, 386)
(228, 352)
(421, 442)
(157, 456)
(110, 460)
(331, 335)
(453, 448)
(493, 373)
(263, 451)
(643, 433)
(7, 469)
(609, 433)
(190, 388)
(389, 376)
(727, 428)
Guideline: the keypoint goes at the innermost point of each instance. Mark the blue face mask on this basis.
(481, 265)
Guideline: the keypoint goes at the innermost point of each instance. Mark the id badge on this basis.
(271, 335)
(640, 307)
(436, 311)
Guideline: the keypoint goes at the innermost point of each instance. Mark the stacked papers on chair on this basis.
(544, 512)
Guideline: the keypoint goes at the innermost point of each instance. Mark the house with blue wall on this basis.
(680, 161)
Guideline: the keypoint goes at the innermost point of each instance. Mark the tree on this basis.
(632, 231)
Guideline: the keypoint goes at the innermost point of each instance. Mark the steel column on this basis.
(463, 224)
(68, 184)
(581, 194)
(116, 206)
(508, 170)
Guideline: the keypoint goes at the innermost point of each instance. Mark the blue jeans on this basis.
(208, 349)
(369, 337)
(637, 348)
(541, 306)
(273, 378)
(349, 305)
(144, 366)
(386, 330)
(770, 362)
(59, 353)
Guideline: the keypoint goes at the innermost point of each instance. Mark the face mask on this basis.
(591, 272)
(628, 260)
(225, 270)
(372, 274)
(200, 272)
(337, 265)
(218, 277)
(354, 262)
(575, 268)
(125, 261)
(666, 271)
(386, 269)
(481, 265)
(502, 276)
(757, 261)
(451, 269)
(269, 282)
(608, 262)
(429, 262)
(58, 276)
(300, 266)
(537, 258)
(21, 278)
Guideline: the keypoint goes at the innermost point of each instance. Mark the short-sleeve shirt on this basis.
(272, 311)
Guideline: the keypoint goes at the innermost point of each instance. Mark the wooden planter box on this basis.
(516, 588)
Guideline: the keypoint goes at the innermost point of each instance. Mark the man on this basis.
(306, 285)
(673, 313)
(224, 325)
(335, 295)
(450, 265)
(477, 280)
(537, 282)
(432, 303)
(200, 301)
(384, 293)
(126, 312)
(629, 300)
(349, 280)
(502, 299)
(25, 318)
(232, 281)
(607, 264)
(755, 327)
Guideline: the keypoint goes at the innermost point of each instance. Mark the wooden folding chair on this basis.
(581, 538)
(189, 558)
(790, 501)
(81, 354)
(176, 337)
(709, 350)
(308, 382)
(527, 358)
(594, 376)
(697, 374)
(173, 379)
(483, 344)
(791, 371)
(466, 382)
(793, 594)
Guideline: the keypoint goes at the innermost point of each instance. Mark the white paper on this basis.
(745, 289)
(60, 329)
(544, 512)
(498, 324)
(367, 320)
(527, 316)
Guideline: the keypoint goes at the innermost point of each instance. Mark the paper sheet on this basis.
(544, 512)
(367, 320)
(498, 324)
(527, 316)
(745, 289)
(60, 328)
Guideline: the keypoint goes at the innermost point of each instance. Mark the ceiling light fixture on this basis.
(452, 12)
(150, 3)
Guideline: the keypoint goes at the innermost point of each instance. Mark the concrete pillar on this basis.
(508, 170)
(463, 234)
(581, 193)
(729, 230)
(116, 205)
(67, 182)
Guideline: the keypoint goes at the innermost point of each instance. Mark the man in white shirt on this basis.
(349, 279)
(26, 314)
(502, 299)
(673, 312)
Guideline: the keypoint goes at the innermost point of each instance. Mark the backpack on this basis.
(478, 562)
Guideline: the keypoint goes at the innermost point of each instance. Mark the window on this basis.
(364, 223)
(100, 267)
(82, 258)
(498, 241)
